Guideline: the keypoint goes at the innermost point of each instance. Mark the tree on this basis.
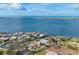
(1, 52)
(63, 39)
(1, 41)
(10, 52)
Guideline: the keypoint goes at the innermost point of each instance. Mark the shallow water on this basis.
(57, 27)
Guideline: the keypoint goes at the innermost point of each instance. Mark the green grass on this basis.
(41, 53)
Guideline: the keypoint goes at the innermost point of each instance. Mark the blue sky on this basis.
(39, 9)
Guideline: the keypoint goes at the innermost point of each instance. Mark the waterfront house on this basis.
(41, 35)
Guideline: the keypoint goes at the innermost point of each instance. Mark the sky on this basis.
(39, 9)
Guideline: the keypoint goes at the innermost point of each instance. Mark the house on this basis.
(30, 47)
(4, 38)
(27, 37)
(44, 41)
(41, 35)
(36, 43)
(33, 45)
(13, 37)
(4, 46)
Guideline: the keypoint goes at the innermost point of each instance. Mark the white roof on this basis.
(13, 37)
(43, 41)
(41, 35)
(4, 38)
(27, 37)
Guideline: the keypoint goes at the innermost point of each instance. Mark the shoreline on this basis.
(40, 33)
(44, 17)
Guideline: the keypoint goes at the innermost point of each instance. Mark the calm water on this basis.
(58, 27)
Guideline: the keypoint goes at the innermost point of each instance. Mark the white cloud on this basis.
(39, 9)
(9, 6)
(15, 5)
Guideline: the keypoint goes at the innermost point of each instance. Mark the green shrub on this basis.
(1, 52)
(10, 52)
